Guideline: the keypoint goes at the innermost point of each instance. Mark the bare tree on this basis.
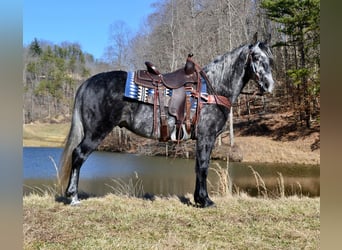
(116, 52)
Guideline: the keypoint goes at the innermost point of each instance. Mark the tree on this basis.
(51, 75)
(117, 51)
(35, 48)
(299, 22)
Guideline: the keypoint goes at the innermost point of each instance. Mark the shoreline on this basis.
(250, 148)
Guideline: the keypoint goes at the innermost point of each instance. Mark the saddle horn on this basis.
(190, 66)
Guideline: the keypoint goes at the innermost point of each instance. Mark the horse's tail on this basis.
(75, 136)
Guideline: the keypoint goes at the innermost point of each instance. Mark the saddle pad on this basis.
(143, 94)
(140, 93)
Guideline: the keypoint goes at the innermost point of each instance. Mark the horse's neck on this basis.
(226, 73)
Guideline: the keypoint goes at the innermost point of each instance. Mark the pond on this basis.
(104, 172)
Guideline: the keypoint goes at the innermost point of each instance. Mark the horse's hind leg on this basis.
(79, 155)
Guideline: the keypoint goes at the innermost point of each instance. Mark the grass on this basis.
(124, 220)
(265, 149)
(260, 184)
(133, 188)
(224, 185)
(121, 222)
(45, 135)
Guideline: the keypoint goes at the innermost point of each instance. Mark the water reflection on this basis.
(293, 179)
(164, 176)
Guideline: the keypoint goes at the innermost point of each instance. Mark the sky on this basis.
(86, 22)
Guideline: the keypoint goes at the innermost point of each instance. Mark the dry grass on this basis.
(133, 188)
(45, 135)
(260, 184)
(119, 222)
(123, 221)
(224, 184)
(265, 149)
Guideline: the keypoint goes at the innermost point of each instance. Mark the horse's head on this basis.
(259, 64)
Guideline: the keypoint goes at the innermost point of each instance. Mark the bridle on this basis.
(251, 64)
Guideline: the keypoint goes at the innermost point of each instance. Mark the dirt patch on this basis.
(279, 127)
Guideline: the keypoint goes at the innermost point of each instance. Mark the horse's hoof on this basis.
(75, 201)
(210, 204)
(206, 203)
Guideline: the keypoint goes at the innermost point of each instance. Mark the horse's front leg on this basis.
(203, 151)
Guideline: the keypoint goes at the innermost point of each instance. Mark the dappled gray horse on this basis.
(100, 105)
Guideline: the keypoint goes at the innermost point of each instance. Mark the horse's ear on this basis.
(268, 39)
(255, 38)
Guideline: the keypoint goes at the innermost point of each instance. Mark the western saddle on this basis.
(184, 83)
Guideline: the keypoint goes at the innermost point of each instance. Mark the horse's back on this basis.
(100, 98)
(105, 81)
(102, 87)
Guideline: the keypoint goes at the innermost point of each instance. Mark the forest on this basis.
(52, 72)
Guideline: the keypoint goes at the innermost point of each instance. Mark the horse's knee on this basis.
(202, 174)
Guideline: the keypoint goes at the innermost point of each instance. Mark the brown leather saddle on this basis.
(177, 79)
(185, 83)
(181, 83)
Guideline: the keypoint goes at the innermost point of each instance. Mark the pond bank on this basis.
(273, 146)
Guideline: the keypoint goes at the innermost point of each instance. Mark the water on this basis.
(164, 176)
